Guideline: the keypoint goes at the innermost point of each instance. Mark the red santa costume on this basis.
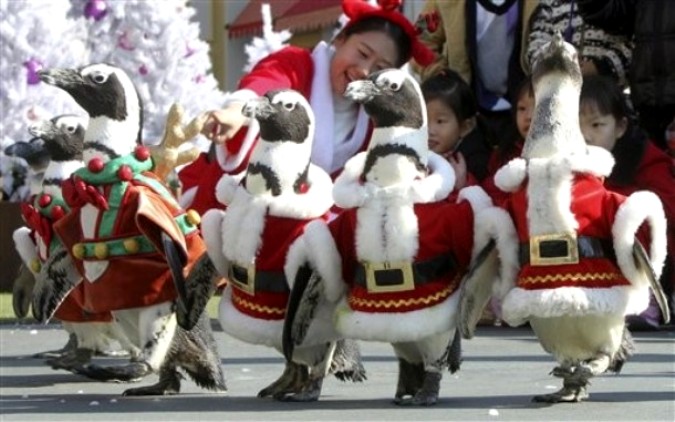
(589, 278)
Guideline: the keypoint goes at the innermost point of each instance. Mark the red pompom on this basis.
(303, 188)
(57, 213)
(125, 174)
(45, 200)
(95, 165)
(141, 153)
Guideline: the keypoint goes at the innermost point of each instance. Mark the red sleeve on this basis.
(291, 67)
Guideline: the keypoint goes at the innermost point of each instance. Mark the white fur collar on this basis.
(314, 203)
(350, 192)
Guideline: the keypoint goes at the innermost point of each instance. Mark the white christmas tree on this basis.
(158, 45)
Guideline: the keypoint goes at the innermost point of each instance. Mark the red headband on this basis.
(357, 10)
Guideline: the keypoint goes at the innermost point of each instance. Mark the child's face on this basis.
(358, 56)
(601, 130)
(524, 110)
(445, 130)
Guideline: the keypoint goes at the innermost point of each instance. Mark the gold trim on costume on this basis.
(258, 308)
(553, 278)
(401, 303)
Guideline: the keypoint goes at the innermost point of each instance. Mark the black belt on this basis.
(422, 272)
(588, 247)
(263, 281)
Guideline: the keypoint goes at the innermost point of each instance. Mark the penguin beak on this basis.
(62, 78)
(259, 108)
(362, 91)
(44, 129)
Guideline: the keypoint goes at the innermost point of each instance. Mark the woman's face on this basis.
(601, 130)
(359, 55)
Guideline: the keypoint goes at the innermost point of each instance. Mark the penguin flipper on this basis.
(176, 262)
(198, 288)
(642, 263)
(53, 283)
(477, 288)
(303, 301)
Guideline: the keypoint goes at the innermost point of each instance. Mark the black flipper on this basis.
(477, 288)
(176, 262)
(199, 288)
(54, 282)
(296, 308)
(642, 262)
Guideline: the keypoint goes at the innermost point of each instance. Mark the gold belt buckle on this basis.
(249, 285)
(570, 240)
(404, 267)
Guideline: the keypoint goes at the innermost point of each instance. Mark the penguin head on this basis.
(62, 136)
(398, 150)
(279, 162)
(110, 98)
(556, 59)
(33, 151)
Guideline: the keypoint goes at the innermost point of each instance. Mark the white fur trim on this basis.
(520, 305)
(549, 196)
(397, 327)
(596, 161)
(317, 247)
(495, 223)
(242, 227)
(230, 162)
(510, 176)
(350, 192)
(246, 328)
(212, 228)
(477, 198)
(639, 207)
(227, 186)
(25, 246)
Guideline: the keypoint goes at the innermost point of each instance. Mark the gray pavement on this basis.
(502, 369)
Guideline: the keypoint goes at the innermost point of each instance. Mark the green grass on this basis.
(7, 312)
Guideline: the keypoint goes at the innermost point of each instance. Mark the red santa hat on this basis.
(357, 10)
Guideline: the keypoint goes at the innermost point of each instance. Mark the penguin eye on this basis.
(99, 78)
(394, 86)
(289, 106)
(70, 129)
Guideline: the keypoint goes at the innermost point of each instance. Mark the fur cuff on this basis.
(597, 161)
(495, 223)
(317, 247)
(25, 246)
(227, 186)
(639, 207)
(348, 191)
(511, 176)
(476, 196)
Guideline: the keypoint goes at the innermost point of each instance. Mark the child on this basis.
(374, 38)
(511, 145)
(640, 165)
(455, 131)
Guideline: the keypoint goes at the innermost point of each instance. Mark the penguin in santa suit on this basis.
(582, 269)
(62, 140)
(124, 238)
(268, 207)
(390, 265)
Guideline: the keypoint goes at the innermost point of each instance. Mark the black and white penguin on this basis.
(400, 245)
(61, 141)
(126, 236)
(281, 192)
(582, 269)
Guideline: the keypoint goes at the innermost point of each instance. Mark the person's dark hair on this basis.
(606, 96)
(396, 33)
(507, 142)
(453, 91)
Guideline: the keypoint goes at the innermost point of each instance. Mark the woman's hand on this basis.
(222, 125)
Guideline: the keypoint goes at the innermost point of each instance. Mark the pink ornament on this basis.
(125, 43)
(143, 70)
(33, 66)
(199, 79)
(189, 51)
(96, 9)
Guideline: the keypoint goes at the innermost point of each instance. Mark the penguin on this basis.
(62, 140)
(267, 209)
(581, 267)
(389, 267)
(125, 238)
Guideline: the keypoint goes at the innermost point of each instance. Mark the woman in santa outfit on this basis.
(375, 38)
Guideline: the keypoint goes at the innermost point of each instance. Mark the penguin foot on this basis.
(309, 392)
(168, 385)
(291, 381)
(410, 380)
(427, 395)
(71, 360)
(110, 353)
(131, 372)
(69, 346)
(564, 395)
(561, 371)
